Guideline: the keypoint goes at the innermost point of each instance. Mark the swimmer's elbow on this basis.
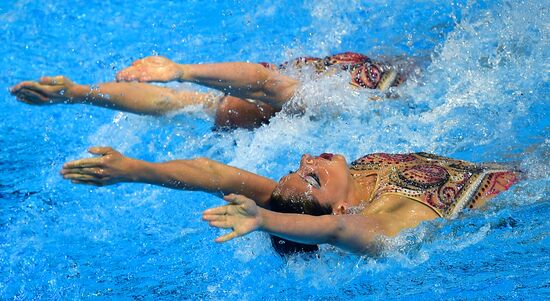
(208, 166)
(203, 161)
(337, 231)
(278, 89)
(211, 168)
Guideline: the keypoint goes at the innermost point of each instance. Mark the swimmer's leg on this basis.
(138, 98)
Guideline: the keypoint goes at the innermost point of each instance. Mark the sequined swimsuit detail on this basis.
(364, 72)
(443, 184)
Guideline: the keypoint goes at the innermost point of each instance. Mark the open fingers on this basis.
(87, 162)
(96, 172)
(227, 237)
(214, 217)
(82, 177)
(220, 224)
(216, 211)
(236, 199)
(133, 73)
(125, 75)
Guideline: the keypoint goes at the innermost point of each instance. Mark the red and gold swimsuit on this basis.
(364, 72)
(443, 184)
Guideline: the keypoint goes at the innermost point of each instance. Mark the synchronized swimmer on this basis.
(326, 200)
(251, 93)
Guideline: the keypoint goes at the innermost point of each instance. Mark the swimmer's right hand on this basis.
(110, 167)
(151, 69)
(48, 90)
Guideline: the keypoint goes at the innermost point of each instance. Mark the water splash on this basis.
(482, 96)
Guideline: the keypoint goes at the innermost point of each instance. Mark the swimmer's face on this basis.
(324, 179)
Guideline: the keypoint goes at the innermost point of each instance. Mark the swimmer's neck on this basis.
(361, 189)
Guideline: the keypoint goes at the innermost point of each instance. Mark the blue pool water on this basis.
(482, 96)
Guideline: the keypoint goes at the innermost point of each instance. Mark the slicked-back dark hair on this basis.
(284, 246)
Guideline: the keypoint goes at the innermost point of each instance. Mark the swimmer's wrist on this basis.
(184, 73)
(77, 93)
(264, 216)
(139, 171)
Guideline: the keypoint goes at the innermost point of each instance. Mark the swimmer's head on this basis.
(320, 186)
(324, 179)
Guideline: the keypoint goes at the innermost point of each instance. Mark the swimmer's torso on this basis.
(443, 185)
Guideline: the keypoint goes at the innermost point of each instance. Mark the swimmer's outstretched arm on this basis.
(136, 98)
(355, 233)
(199, 174)
(244, 80)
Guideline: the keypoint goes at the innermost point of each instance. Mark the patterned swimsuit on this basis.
(364, 72)
(445, 185)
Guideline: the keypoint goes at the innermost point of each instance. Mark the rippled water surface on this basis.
(482, 96)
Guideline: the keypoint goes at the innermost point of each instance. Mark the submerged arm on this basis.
(196, 174)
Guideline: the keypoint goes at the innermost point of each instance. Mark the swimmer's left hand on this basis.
(242, 215)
